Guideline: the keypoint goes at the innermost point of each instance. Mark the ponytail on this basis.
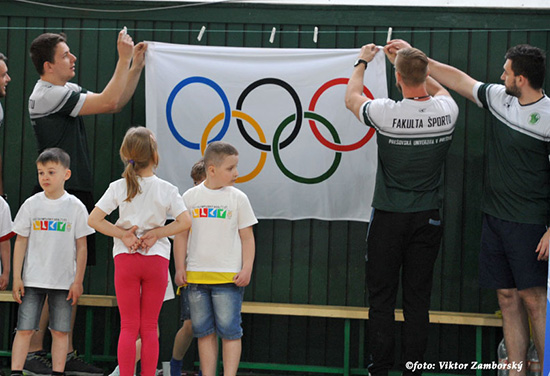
(132, 183)
(138, 150)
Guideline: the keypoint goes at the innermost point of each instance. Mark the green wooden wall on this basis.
(307, 261)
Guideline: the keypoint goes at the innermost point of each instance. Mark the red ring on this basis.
(315, 130)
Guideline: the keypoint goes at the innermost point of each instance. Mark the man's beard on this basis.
(513, 91)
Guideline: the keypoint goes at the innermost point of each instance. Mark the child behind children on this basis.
(184, 336)
(220, 257)
(51, 233)
(6, 234)
(141, 249)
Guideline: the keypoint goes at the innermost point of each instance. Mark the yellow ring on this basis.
(251, 121)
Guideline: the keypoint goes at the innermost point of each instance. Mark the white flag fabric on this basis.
(302, 154)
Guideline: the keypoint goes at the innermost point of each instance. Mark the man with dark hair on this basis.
(4, 80)
(405, 230)
(56, 107)
(516, 190)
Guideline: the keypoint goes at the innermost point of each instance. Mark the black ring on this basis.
(299, 115)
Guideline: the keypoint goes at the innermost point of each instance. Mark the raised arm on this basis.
(446, 75)
(354, 91)
(434, 88)
(138, 62)
(453, 78)
(112, 98)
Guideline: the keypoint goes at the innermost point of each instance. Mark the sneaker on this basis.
(37, 364)
(78, 367)
(116, 372)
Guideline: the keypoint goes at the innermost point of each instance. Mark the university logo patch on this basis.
(534, 118)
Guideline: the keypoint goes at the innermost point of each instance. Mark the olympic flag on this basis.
(302, 154)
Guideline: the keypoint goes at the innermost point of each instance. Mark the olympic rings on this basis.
(293, 94)
(315, 130)
(262, 145)
(254, 123)
(170, 102)
(300, 179)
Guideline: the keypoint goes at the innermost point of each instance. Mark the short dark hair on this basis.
(43, 49)
(3, 57)
(412, 64)
(55, 155)
(216, 152)
(528, 61)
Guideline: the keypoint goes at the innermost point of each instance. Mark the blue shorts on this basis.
(216, 309)
(30, 309)
(184, 299)
(508, 258)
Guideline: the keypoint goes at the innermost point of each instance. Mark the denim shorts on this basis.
(184, 299)
(30, 309)
(216, 309)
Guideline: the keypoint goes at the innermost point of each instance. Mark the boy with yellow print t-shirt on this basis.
(219, 258)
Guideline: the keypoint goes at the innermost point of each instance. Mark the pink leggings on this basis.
(140, 283)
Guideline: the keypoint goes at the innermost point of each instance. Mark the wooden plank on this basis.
(84, 300)
(362, 313)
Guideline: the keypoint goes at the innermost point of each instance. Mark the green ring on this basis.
(277, 156)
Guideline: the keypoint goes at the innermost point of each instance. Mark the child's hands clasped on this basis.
(133, 243)
(130, 239)
(148, 240)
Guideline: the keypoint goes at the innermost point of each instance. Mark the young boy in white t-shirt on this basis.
(6, 234)
(51, 229)
(220, 255)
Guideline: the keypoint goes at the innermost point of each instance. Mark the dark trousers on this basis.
(406, 244)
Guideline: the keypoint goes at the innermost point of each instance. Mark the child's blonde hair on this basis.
(138, 150)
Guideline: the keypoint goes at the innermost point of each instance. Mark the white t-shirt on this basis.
(214, 242)
(157, 201)
(6, 224)
(52, 227)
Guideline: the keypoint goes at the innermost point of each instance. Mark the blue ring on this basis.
(170, 102)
